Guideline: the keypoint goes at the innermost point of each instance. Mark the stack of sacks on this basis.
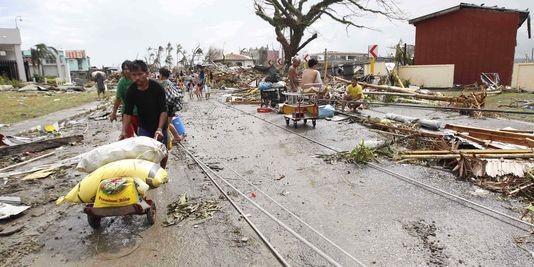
(137, 157)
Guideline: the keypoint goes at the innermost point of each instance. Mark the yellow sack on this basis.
(85, 190)
(116, 192)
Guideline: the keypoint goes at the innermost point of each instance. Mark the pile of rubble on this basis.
(497, 159)
(237, 77)
(40, 87)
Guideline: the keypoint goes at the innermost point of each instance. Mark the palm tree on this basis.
(157, 60)
(179, 51)
(40, 53)
(168, 58)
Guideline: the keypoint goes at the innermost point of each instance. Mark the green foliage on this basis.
(390, 98)
(54, 80)
(362, 153)
(6, 81)
(38, 78)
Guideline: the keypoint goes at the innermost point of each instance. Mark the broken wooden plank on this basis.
(469, 151)
(39, 145)
(27, 161)
(504, 139)
(453, 156)
(462, 128)
(485, 143)
(529, 132)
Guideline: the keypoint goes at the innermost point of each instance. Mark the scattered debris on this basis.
(360, 154)
(184, 208)
(40, 174)
(426, 232)
(11, 230)
(27, 161)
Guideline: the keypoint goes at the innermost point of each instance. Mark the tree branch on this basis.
(301, 3)
(313, 37)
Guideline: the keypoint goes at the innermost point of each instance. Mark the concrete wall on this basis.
(74, 66)
(10, 52)
(10, 36)
(380, 69)
(430, 76)
(10, 41)
(523, 76)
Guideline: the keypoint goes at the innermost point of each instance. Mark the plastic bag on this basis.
(265, 86)
(141, 147)
(326, 111)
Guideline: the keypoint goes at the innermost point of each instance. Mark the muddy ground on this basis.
(377, 218)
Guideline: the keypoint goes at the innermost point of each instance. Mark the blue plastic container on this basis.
(179, 125)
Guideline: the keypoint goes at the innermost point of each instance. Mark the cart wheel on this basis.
(314, 122)
(151, 214)
(295, 124)
(305, 121)
(287, 122)
(93, 221)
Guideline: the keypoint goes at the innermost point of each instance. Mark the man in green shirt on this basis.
(122, 86)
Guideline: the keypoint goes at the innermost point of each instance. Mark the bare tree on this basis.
(196, 51)
(149, 58)
(213, 54)
(298, 16)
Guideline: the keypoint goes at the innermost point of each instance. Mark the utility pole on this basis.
(17, 18)
(325, 63)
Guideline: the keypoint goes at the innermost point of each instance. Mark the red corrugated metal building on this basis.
(474, 38)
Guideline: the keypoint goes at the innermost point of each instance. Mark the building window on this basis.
(80, 64)
(50, 60)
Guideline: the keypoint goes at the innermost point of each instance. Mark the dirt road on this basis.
(378, 219)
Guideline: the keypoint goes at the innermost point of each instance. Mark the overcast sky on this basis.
(114, 30)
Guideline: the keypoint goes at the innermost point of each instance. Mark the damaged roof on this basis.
(523, 14)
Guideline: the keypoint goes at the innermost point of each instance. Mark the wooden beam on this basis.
(485, 143)
(454, 156)
(462, 128)
(39, 145)
(27, 161)
(469, 151)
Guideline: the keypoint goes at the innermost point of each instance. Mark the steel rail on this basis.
(262, 237)
(295, 234)
(392, 173)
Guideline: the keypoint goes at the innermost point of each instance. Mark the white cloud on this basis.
(113, 30)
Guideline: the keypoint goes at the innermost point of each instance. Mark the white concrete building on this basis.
(11, 63)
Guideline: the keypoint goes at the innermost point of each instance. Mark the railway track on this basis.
(216, 179)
